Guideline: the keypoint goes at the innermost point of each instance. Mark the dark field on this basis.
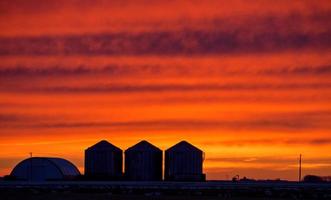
(163, 190)
(88, 196)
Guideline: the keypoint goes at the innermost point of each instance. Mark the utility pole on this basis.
(300, 162)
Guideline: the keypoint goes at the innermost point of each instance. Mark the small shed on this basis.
(103, 161)
(184, 162)
(44, 169)
(143, 162)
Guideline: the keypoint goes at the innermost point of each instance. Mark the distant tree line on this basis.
(316, 179)
(306, 179)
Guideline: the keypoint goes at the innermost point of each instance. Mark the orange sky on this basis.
(248, 83)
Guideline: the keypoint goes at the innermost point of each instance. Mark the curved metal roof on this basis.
(104, 145)
(183, 146)
(65, 167)
(144, 146)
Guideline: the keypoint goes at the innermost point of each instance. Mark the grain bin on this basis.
(103, 161)
(143, 162)
(184, 162)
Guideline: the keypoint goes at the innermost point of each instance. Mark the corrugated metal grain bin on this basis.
(103, 161)
(184, 162)
(143, 162)
(44, 169)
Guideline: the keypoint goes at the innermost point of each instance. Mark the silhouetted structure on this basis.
(313, 179)
(183, 162)
(103, 161)
(143, 162)
(43, 169)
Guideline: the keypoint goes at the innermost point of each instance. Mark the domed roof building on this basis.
(44, 168)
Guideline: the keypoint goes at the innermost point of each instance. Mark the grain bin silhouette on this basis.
(103, 161)
(143, 162)
(184, 162)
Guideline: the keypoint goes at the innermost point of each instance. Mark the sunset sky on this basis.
(248, 82)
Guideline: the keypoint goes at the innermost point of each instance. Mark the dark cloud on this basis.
(321, 141)
(256, 142)
(299, 70)
(8, 120)
(253, 35)
(9, 117)
(109, 70)
(270, 159)
(152, 70)
(291, 121)
(163, 43)
(182, 125)
(239, 98)
(158, 88)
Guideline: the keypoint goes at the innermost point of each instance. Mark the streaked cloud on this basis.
(167, 43)
(249, 142)
(235, 35)
(172, 88)
(293, 121)
(132, 70)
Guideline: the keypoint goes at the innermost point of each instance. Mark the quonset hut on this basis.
(103, 161)
(143, 162)
(44, 169)
(183, 162)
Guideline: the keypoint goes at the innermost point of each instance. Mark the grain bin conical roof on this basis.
(143, 146)
(104, 145)
(183, 146)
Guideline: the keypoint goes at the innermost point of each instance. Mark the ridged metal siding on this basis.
(143, 162)
(184, 162)
(103, 160)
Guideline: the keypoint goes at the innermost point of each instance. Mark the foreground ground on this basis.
(163, 190)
